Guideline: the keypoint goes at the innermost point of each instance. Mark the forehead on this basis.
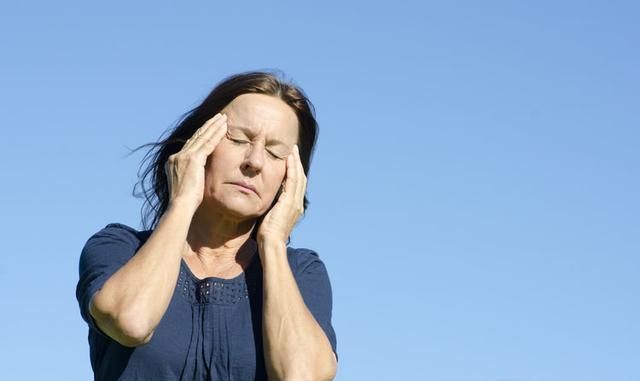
(263, 114)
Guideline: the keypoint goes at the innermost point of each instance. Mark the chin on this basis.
(238, 205)
(239, 209)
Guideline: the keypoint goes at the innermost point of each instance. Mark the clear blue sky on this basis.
(474, 195)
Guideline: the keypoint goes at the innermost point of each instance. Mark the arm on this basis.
(295, 346)
(133, 300)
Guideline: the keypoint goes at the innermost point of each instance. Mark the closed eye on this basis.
(274, 155)
(238, 141)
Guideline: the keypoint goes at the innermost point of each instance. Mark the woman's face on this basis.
(261, 133)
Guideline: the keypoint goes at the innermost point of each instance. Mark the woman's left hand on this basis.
(280, 220)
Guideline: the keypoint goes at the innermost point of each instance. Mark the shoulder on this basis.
(303, 259)
(120, 232)
(115, 240)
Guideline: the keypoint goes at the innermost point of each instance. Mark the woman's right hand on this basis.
(185, 169)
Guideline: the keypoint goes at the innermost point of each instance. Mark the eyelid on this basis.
(246, 131)
(274, 155)
(232, 138)
(237, 140)
(246, 141)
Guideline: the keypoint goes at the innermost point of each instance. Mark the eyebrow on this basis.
(249, 131)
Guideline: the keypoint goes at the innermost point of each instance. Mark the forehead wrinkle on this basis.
(257, 114)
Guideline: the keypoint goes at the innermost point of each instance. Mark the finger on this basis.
(301, 180)
(199, 132)
(289, 177)
(293, 179)
(209, 144)
(208, 131)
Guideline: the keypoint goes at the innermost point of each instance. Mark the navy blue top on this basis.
(212, 329)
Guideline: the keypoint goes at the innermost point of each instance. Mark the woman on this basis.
(212, 291)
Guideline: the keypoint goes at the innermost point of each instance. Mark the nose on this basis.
(254, 158)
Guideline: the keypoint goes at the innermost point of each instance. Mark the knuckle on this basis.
(188, 158)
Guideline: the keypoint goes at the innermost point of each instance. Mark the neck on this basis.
(216, 238)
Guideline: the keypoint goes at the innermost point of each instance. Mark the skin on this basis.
(224, 220)
(208, 224)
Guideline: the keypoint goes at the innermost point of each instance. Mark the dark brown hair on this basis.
(153, 185)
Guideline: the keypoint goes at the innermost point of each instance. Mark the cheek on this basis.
(215, 167)
(281, 172)
(222, 149)
(275, 180)
(223, 156)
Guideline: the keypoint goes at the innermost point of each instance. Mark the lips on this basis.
(245, 185)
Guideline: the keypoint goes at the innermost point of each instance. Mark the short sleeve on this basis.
(314, 285)
(102, 255)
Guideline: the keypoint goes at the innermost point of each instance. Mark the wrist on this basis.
(184, 204)
(266, 243)
(183, 207)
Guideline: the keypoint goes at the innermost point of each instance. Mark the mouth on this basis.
(245, 186)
